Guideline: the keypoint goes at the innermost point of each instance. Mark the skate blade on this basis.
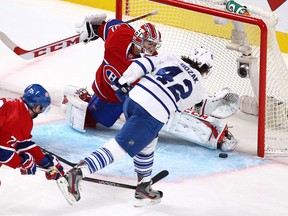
(145, 202)
(63, 186)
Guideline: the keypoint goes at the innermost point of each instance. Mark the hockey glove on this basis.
(222, 104)
(28, 166)
(121, 91)
(51, 163)
(88, 28)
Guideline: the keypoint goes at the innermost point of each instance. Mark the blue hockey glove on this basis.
(121, 91)
(51, 163)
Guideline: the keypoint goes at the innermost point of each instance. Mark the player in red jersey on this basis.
(16, 123)
(123, 44)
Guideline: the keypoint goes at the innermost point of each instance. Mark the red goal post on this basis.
(176, 14)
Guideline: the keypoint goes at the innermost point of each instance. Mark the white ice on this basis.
(256, 190)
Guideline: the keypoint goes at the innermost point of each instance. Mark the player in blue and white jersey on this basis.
(172, 87)
(167, 85)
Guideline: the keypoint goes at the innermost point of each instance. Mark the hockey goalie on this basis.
(200, 125)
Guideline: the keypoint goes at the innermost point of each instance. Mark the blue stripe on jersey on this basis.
(151, 63)
(6, 154)
(109, 24)
(25, 146)
(112, 23)
(142, 66)
(143, 164)
(97, 160)
(146, 89)
(159, 86)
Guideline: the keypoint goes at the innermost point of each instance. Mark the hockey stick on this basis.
(52, 47)
(162, 174)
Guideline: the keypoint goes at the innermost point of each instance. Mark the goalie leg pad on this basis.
(186, 126)
(68, 90)
(206, 131)
(76, 112)
(82, 93)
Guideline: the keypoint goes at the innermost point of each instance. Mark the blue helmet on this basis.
(35, 95)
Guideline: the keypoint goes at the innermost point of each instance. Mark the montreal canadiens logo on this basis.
(110, 73)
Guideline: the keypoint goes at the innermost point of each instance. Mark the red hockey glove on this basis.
(51, 163)
(28, 166)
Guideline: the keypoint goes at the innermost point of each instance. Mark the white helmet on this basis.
(204, 60)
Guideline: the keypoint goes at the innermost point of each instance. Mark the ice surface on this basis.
(200, 183)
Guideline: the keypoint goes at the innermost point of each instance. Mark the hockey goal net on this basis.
(246, 52)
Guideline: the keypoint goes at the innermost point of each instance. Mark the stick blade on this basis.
(159, 176)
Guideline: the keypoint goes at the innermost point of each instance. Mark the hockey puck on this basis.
(223, 155)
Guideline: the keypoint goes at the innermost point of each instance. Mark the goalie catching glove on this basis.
(221, 105)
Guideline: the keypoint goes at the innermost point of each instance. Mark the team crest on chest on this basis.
(110, 73)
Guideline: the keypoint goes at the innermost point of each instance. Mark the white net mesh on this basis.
(184, 29)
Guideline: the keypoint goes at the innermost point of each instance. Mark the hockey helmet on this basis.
(35, 95)
(204, 60)
(147, 32)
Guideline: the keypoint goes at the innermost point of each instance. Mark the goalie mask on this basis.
(147, 38)
(203, 59)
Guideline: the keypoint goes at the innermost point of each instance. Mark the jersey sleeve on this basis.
(117, 47)
(9, 157)
(103, 29)
(139, 68)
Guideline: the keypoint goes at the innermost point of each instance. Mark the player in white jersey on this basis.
(167, 86)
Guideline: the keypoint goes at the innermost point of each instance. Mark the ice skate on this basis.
(74, 176)
(70, 185)
(145, 195)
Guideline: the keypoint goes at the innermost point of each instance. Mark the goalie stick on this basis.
(162, 174)
(55, 46)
